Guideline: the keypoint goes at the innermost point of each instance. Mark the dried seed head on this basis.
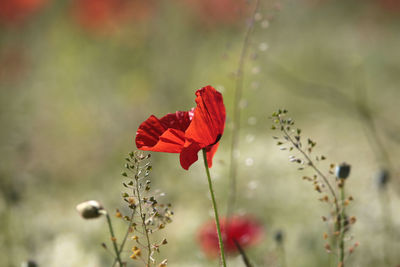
(325, 236)
(328, 248)
(131, 200)
(136, 252)
(163, 263)
(90, 209)
(118, 214)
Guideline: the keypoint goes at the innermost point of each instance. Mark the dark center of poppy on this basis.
(216, 140)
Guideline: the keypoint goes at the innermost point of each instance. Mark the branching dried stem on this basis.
(340, 222)
(144, 225)
(309, 162)
(333, 95)
(153, 216)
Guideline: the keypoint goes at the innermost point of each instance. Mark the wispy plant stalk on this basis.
(233, 166)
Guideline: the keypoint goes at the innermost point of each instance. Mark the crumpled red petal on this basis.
(208, 121)
(163, 135)
(206, 128)
(189, 155)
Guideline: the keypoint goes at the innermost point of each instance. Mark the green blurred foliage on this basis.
(71, 100)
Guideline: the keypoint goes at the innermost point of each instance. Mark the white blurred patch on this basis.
(249, 162)
(250, 138)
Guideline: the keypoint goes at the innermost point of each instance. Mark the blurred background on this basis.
(78, 77)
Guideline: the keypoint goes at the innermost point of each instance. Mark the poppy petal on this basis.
(208, 121)
(210, 154)
(188, 155)
(165, 134)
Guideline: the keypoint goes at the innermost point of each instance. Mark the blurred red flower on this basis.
(186, 132)
(245, 230)
(390, 5)
(107, 15)
(212, 12)
(15, 12)
(14, 64)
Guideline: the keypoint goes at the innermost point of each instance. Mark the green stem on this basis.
(342, 221)
(221, 244)
(282, 256)
(387, 225)
(113, 239)
(126, 235)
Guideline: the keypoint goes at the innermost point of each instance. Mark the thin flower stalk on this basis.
(245, 259)
(342, 222)
(233, 166)
(113, 239)
(214, 203)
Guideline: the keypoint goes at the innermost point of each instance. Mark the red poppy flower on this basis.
(14, 12)
(186, 132)
(244, 230)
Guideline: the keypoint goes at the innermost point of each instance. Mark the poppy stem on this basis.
(221, 244)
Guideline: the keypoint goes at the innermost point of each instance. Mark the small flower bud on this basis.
(382, 178)
(90, 209)
(29, 263)
(279, 236)
(342, 171)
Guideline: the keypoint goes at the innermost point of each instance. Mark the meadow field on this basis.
(78, 78)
